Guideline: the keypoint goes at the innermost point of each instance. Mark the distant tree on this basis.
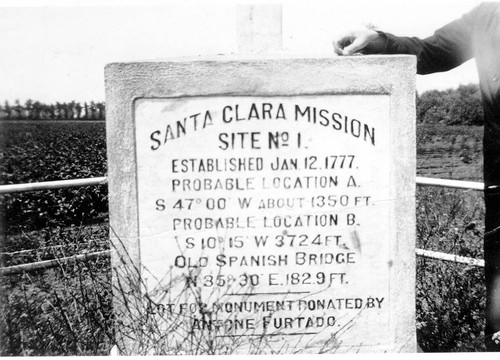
(94, 113)
(435, 115)
(28, 109)
(78, 110)
(432, 107)
(7, 108)
(36, 112)
(57, 111)
(18, 109)
(101, 107)
(466, 106)
(51, 111)
(72, 109)
(87, 111)
(64, 111)
(61, 111)
(460, 106)
(39, 109)
(68, 111)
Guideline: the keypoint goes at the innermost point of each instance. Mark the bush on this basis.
(47, 151)
(64, 311)
(461, 106)
(450, 296)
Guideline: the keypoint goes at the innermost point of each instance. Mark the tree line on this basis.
(461, 106)
(35, 110)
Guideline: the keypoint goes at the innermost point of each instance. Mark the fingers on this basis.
(337, 48)
(352, 42)
(349, 45)
(341, 41)
(357, 45)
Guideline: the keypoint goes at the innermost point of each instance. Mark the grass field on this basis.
(67, 310)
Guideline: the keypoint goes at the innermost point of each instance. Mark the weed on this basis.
(450, 296)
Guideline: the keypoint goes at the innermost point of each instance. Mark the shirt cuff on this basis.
(385, 39)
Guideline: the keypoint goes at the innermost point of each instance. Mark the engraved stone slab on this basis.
(273, 208)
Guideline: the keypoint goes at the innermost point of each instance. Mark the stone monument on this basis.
(264, 205)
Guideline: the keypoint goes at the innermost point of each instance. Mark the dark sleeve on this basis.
(449, 47)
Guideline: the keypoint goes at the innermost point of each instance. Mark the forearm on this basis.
(434, 54)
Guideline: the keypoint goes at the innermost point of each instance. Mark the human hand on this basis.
(359, 40)
(496, 337)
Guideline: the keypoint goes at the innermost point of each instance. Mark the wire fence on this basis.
(51, 185)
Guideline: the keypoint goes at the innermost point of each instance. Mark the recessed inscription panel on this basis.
(268, 218)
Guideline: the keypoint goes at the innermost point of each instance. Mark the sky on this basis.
(56, 50)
